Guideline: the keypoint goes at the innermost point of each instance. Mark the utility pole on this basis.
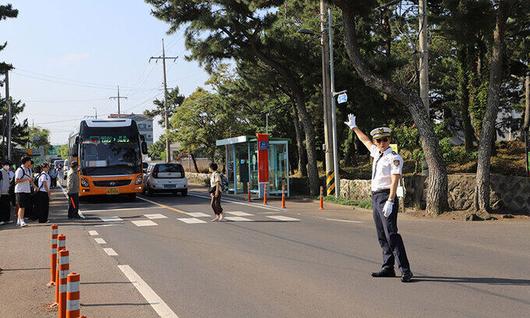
(166, 119)
(118, 98)
(326, 98)
(95, 112)
(9, 117)
(333, 104)
(424, 53)
(526, 122)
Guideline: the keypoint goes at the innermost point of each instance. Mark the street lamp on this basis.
(95, 112)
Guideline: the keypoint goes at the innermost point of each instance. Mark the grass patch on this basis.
(365, 203)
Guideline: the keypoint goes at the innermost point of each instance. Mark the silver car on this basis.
(165, 177)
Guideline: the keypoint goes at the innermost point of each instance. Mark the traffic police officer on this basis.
(386, 171)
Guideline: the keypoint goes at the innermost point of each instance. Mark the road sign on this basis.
(342, 98)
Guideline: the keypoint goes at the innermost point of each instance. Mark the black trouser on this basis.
(216, 204)
(29, 211)
(53, 182)
(42, 206)
(73, 204)
(387, 233)
(5, 207)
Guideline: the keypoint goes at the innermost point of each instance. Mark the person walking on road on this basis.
(72, 188)
(23, 184)
(215, 192)
(5, 200)
(53, 177)
(386, 172)
(42, 195)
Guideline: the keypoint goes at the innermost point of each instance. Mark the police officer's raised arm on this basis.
(360, 134)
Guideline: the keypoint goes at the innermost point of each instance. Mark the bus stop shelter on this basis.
(256, 161)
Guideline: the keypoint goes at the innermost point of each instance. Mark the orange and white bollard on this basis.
(61, 245)
(53, 256)
(64, 268)
(283, 196)
(264, 194)
(248, 187)
(72, 296)
(321, 198)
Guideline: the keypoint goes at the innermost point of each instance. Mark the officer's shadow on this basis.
(474, 280)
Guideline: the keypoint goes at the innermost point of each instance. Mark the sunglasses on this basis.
(380, 140)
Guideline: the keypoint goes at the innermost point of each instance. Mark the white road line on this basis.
(111, 219)
(144, 223)
(155, 216)
(117, 209)
(110, 251)
(345, 221)
(162, 205)
(241, 203)
(237, 219)
(282, 218)
(161, 308)
(238, 213)
(191, 220)
(99, 240)
(198, 214)
(93, 233)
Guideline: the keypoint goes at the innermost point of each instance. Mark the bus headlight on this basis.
(139, 179)
(84, 182)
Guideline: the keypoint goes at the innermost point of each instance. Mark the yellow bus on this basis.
(109, 154)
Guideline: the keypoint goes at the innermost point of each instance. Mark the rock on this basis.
(473, 217)
(507, 216)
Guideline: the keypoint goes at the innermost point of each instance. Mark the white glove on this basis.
(351, 121)
(387, 209)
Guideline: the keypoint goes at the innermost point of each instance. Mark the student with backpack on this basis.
(23, 184)
(5, 204)
(42, 194)
(215, 192)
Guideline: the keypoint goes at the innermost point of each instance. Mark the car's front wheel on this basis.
(184, 193)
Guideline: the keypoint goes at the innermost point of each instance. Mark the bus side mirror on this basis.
(144, 148)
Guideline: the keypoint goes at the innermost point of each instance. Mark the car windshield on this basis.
(110, 155)
(170, 168)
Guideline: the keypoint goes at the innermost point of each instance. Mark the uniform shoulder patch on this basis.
(394, 153)
(396, 162)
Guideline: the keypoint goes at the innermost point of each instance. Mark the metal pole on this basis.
(9, 117)
(166, 120)
(328, 151)
(119, 108)
(333, 105)
(96, 112)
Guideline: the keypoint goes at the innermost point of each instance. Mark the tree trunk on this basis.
(194, 162)
(464, 99)
(482, 187)
(302, 160)
(298, 94)
(437, 180)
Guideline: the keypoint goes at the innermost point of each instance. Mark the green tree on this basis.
(6, 11)
(63, 151)
(218, 30)
(174, 100)
(157, 151)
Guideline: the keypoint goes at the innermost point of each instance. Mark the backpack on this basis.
(224, 182)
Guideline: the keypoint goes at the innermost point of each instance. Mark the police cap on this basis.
(380, 132)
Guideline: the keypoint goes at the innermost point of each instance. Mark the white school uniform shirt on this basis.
(23, 187)
(383, 166)
(214, 178)
(44, 177)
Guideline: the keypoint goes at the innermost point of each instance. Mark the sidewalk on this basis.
(25, 258)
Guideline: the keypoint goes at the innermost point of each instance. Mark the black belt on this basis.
(381, 191)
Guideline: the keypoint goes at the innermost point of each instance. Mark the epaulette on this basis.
(394, 153)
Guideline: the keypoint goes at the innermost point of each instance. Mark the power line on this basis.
(118, 98)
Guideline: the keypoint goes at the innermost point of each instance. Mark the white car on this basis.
(165, 177)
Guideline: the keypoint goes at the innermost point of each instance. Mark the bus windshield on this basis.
(110, 155)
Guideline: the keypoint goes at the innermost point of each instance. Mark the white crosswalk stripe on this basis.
(110, 251)
(111, 219)
(93, 233)
(155, 216)
(99, 240)
(238, 219)
(282, 218)
(198, 214)
(238, 213)
(191, 220)
(144, 223)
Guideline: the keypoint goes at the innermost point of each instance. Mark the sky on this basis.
(69, 57)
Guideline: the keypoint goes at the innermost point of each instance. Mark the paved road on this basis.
(306, 263)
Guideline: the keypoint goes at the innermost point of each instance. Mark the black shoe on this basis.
(385, 272)
(407, 277)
